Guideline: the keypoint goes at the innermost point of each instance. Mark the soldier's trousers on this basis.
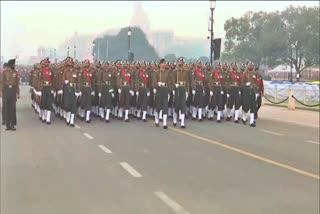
(125, 97)
(198, 97)
(189, 99)
(85, 100)
(142, 99)
(95, 98)
(259, 101)
(180, 100)
(70, 100)
(106, 97)
(116, 97)
(10, 99)
(235, 98)
(249, 100)
(46, 98)
(161, 100)
(217, 100)
(206, 96)
(3, 107)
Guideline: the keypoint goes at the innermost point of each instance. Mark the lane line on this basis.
(270, 132)
(177, 208)
(130, 170)
(88, 136)
(76, 126)
(105, 149)
(249, 154)
(314, 142)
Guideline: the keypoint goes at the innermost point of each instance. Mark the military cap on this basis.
(11, 62)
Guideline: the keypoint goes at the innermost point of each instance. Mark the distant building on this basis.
(161, 41)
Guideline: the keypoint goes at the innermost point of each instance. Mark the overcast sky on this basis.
(26, 25)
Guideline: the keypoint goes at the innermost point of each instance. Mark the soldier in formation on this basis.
(141, 89)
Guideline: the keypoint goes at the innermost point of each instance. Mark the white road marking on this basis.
(177, 208)
(88, 136)
(131, 170)
(105, 149)
(275, 133)
(314, 142)
(77, 127)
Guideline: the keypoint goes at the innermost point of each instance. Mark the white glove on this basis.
(248, 83)
(131, 92)
(112, 94)
(39, 93)
(186, 95)
(99, 94)
(66, 81)
(221, 92)
(111, 90)
(93, 93)
(211, 93)
(137, 93)
(80, 93)
(168, 97)
(177, 85)
(239, 92)
(77, 94)
(257, 95)
(52, 92)
(173, 92)
(204, 92)
(60, 92)
(34, 91)
(193, 92)
(54, 95)
(148, 94)
(228, 95)
(154, 91)
(119, 90)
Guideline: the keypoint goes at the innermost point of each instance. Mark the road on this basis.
(136, 168)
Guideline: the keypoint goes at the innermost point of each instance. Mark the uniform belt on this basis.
(181, 83)
(124, 83)
(217, 83)
(72, 84)
(199, 82)
(161, 84)
(235, 85)
(10, 86)
(46, 83)
(86, 84)
(142, 85)
(106, 83)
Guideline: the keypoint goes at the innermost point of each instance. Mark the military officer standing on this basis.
(249, 80)
(161, 88)
(9, 85)
(260, 91)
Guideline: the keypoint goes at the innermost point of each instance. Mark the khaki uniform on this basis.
(141, 86)
(106, 87)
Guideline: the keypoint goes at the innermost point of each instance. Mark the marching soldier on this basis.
(115, 71)
(161, 88)
(95, 94)
(249, 80)
(216, 92)
(125, 89)
(46, 90)
(142, 90)
(9, 85)
(207, 72)
(133, 99)
(234, 93)
(260, 91)
(86, 88)
(60, 88)
(71, 91)
(106, 89)
(198, 90)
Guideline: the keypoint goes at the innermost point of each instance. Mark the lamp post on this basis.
(129, 36)
(74, 52)
(68, 51)
(212, 7)
(93, 54)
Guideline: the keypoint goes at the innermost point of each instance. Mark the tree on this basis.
(118, 46)
(268, 37)
(170, 58)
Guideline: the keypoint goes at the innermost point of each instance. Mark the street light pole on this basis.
(74, 52)
(129, 36)
(212, 7)
(68, 51)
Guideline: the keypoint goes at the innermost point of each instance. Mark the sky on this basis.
(25, 25)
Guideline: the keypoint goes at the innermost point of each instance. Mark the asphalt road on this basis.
(136, 168)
